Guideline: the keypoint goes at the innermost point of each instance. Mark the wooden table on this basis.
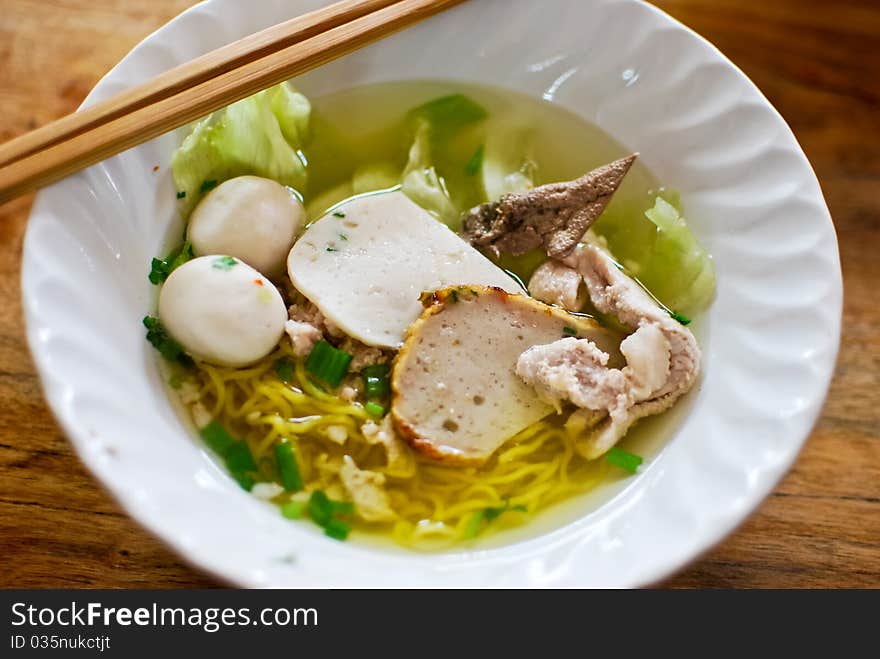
(817, 61)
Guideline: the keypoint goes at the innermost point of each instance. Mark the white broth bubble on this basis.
(250, 217)
(222, 311)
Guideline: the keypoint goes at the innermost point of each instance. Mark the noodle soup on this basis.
(423, 310)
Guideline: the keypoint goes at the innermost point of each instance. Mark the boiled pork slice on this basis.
(662, 356)
(455, 394)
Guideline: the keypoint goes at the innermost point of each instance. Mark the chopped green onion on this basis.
(684, 320)
(623, 459)
(320, 509)
(331, 249)
(293, 509)
(288, 467)
(181, 194)
(377, 380)
(323, 512)
(236, 454)
(158, 336)
(487, 515)
(569, 331)
(338, 214)
(337, 529)
(161, 268)
(225, 262)
(342, 236)
(217, 438)
(473, 526)
(284, 369)
(328, 363)
(375, 409)
(476, 162)
(239, 458)
(207, 186)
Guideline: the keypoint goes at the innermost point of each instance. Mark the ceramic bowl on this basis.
(770, 339)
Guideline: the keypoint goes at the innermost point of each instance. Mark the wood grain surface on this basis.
(817, 61)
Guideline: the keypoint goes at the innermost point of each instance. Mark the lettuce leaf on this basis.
(507, 162)
(420, 181)
(260, 135)
(680, 272)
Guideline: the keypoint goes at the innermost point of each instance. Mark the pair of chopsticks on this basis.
(197, 88)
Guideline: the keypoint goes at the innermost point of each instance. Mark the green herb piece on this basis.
(328, 363)
(181, 194)
(331, 249)
(284, 369)
(236, 454)
(288, 468)
(476, 162)
(338, 214)
(374, 409)
(684, 320)
(337, 529)
(207, 186)
(185, 254)
(569, 331)
(342, 236)
(217, 438)
(225, 262)
(161, 268)
(623, 459)
(320, 509)
(377, 381)
(158, 336)
(293, 509)
(486, 515)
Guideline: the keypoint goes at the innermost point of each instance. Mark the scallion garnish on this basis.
(377, 381)
(170, 349)
(476, 162)
(338, 214)
(236, 454)
(337, 529)
(181, 194)
(374, 409)
(684, 320)
(293, 509)
(328, 363)
(161, 268)
(288, 468)
(624, 459)
(224, 262)
(207, 186)
(569, 331)
(486, 515)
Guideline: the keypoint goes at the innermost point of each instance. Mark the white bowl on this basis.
(700, 125)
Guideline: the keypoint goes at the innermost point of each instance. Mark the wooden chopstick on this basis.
(104, 138)
(190, 74)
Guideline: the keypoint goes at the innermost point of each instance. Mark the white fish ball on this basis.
(249, 217)
(222, 311)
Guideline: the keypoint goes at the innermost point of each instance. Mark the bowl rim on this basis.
(79, 435)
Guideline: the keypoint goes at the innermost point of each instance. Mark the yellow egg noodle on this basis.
(433, 503)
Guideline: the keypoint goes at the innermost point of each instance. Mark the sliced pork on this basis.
(556, 283)
(662, 356)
